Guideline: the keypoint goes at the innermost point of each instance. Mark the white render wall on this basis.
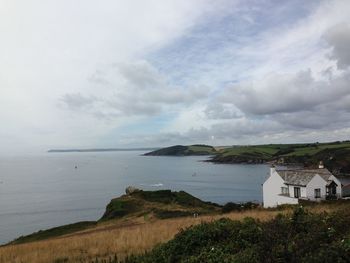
(272, 191)
(316, 182)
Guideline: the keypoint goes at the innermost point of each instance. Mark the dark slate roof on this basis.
(302, 176)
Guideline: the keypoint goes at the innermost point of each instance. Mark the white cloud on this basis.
(286, 93)
(74, 72)
(49, 49)
(132, 89)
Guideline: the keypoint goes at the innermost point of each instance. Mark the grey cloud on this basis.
(222, 133)
(140, 74)
(339, 38)
(75, 101)
(287, 128)
(286, 93)
(133, 89)
(217, 110)
(146, 83)
(98, 78)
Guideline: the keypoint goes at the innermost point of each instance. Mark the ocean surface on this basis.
(43, 191)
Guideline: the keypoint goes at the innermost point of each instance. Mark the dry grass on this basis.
(119, 238)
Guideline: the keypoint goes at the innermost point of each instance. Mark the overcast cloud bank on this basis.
(108, 74)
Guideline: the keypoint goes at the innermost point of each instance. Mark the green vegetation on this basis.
(162, 204)
(180, 150)
(335, 155)
(300, 237)
(230, 207)
(54, 232)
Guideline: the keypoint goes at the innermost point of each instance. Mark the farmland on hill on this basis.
(335, 155)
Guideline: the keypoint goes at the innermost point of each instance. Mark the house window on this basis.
(296, 192)
(284, 190)
(318, 193)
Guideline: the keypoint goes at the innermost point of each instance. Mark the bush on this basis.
(229, 207)
(300, 237)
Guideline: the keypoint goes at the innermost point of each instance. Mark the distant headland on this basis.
(101, 150)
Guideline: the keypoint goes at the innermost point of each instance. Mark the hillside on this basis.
(194, 236)
(137, 203)
(300, 237)
(159, 204)
(335, 155)
(180, 150)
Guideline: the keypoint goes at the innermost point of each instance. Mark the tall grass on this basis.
(106, 241)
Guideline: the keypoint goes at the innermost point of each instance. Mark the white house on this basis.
(288, 186)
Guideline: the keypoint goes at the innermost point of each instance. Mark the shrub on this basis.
(229, 207)
(300, 237)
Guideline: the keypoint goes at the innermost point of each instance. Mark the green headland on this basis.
(334, 155)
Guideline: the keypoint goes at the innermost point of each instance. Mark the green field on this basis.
(270, 150)
(335, 155)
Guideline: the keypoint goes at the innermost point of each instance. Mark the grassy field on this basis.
(335, 155)
(270, 150)
(122, 237)
(181, 150)
(201, 149)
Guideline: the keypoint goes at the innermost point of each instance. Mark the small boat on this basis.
(194, 174)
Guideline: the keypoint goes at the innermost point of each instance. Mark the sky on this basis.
(134, 73)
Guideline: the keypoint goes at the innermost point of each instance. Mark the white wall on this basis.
(316, 182)
(319, 182)
(272, 191)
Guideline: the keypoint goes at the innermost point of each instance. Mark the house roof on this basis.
(302, 176)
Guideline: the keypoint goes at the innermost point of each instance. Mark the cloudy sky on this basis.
(134, 73)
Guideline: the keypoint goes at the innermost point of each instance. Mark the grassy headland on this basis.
(180, 150)
(150, 205)
(159, 204)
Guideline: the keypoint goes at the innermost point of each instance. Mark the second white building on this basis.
(288, 186)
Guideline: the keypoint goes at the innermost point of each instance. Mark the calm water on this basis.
(38, 192)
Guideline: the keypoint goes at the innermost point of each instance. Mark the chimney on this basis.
(272, 169)
(320, 166)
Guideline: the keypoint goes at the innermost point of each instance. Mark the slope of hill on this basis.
(180, 150)
(159, 204)
(335, 155)
(115, 240)
(300, 237)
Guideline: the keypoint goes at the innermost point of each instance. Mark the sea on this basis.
(38, 192)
